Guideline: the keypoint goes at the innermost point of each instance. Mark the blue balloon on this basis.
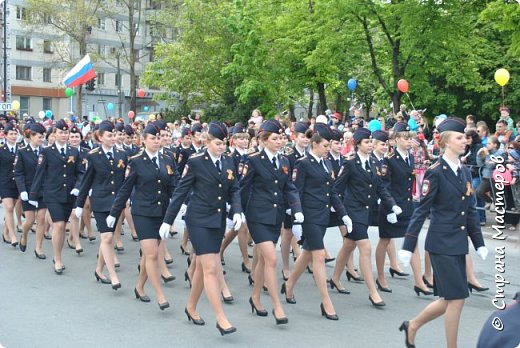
(374, 125)
(48, 113)
(413, 124)
(146, 108)
(352, 84)
(110, 106)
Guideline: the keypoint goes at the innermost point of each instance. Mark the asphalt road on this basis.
(41, 309)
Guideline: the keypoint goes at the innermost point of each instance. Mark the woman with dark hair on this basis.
(470, 159)
(314, 177)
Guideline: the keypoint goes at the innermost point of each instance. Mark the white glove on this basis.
(243, 218)
(237, 221)
(378, 201)
(34, 203)
(288, 211)
(397, 210)
(79, 212)
(348, 223)
(24, 196)
(482, 252)
(391, 218)
(164, 230)
(297, 232)
(332, 209)
(183, 209)
(228, 207)
(111, 221)
(74, 192)
(405, 256)
(298, 218)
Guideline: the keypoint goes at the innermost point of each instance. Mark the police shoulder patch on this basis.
(425, 188)
(245, 170)
(295, 174)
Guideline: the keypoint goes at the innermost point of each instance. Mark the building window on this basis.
(136, 55)
(113, 51)
(23, 43)
(47, 19)
(47, 46)
(101, 23)
(21, 13)
(102, 50)
(117, 80)
(23, 72)
(100, 78)
(24, 105)
(47, 73)
(47, 104)
(119, 27)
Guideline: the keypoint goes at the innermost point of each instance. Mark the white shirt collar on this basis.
(403, 155)
(301, 153)
(378, 158)
(240, 152)
(107, 150)
(215, 159)
(363, 158)
(34, 148)
(64, 147)
(334, 157)
(310, 153)
(270, 154)
(152, 155)
(453, 166)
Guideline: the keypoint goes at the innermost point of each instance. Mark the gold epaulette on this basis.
(195, 155)
(253, 154)
(390, 155)
(435, 165)
(137, 155)
(93, 151)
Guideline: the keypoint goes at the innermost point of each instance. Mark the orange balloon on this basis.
(402, 85)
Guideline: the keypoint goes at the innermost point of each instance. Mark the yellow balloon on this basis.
(502, 77)
(15, 105)
(151, 117)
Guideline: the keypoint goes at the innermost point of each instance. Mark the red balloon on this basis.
(131, 114)
(140, 92)
(402, 85)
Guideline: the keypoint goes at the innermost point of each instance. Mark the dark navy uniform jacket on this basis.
(169, 156)
(293, 157)
(104, 177)
(183, 155)
(150, 187)
(7, 159)
(361, 189)
(450, 203)
(336, 164)
(57, 175)
(239, 161)
(25, 168)
(131, 150)
(374, 217)
(210, 191)
(398, 178)
(508, 319)
(315, 186)
(265, 191)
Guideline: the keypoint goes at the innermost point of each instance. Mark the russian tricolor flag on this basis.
(81, 73)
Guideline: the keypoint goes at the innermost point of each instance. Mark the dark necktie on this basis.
(408, 161)
(275, 166)
(109, 155)
(367, 166)
(36, 152)
(154, 160)
(337, 162)
(217, 165)
(459, 173)
(62, 151)
(12, 150)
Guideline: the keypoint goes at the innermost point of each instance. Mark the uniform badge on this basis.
(294, 174)
(120, 164)
(285, 170)
(127, 172)
(15, 160)
(180, 158)
(425, 188)
(185, 171)
(71, 159)
(378, 172)
(333, 175)
(169, 169)
(469, 189)
(40, 159)
(230, 175)
(384, 170)
(240, 167)
(245, 169)
(84, 162)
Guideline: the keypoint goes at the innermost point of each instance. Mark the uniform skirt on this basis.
(60, 211)
(359, 232)
(335, 220)
(449, 276)
(313, 236)
(288, 222)
(9, 191)
(147, 227)
(101, 222)
(397, 230)
(263, 232)
(205, 240)
(26, 206)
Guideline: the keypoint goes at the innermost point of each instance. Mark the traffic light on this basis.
(91, 85)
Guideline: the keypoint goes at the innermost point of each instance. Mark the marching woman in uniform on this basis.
(266, 186)
(398, 175)
(58, 176)
(211, 180)
(24, 171)
(448, 199)
(314, 179)
(8, 189)
(104, 176)
(361, 187)
(149, 183)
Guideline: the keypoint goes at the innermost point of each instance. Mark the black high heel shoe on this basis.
(245, 269)
(330, 259)
(333, 285)
(227, 331)
(164, 305)
(40, 256)
(23, 247)
(168, 279)
(350, 276)
(46, 236)
(418, 290)
(199, 321)
(119, 249)
(143, 298)
(228, 299)
(183, 251)
(116, 286)
(70, 245)
(14, 244)
(99, 279)
(472, 287)
(5, 240)
(223, 262)
(326, 315)
(135, 238)
(280, 321)
(290, 300)
(93, 238)
(394, 272)
(376, 304)
(284, 277)
(251, 281)
(381, 288)
(427, 283)
(259, 312)
(79, 251)
(404, 327)
(168, 261)
(309, 270)
(187, 278)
